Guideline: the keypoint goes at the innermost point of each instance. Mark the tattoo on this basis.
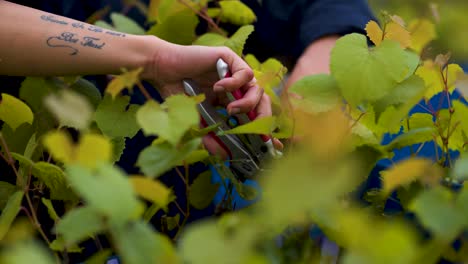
(81, 25)
(69, 40)
(52, 19)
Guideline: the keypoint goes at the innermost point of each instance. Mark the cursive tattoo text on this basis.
(71, 40)
(52, 19)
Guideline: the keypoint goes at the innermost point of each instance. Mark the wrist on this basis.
(151, 50)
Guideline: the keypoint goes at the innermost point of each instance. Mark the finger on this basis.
(263, 108)
(214, 148)
(278, 144)
(251, 99)
(242, 74)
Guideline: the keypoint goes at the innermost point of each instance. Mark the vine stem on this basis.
(10, 160)
(144, 91)
(203, 15)
(187, 194)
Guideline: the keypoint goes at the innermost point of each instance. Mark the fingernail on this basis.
(218, 89)
(234, 111)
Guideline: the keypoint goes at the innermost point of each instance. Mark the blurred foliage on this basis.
(449, 16)
(64, 169)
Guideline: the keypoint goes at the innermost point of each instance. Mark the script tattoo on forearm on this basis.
(81, 25)
(71, 40)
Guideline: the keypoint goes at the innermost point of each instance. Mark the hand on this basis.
(172, 64)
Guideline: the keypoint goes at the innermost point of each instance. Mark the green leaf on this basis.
(79, 224)
(106, 190)
(415, 136)
(411, 89)
(170, 120)
(18, 139)
(210, 39)
(172, 222)
(104, 24)
(264, 125)
(319, 93)
(138, 243)
(125, 24)
(195, 156)
(116, 118)
(88, 90)
(152, 190)
(237, 13)
(59, 245)
(27, 252)
(118, 144)
(419, 120)
(363, 74)
(99, 257)
(436, 210)
(237, 41)
(70, 108)
(50, 209)
(34, 89)
(9, 213)
(155, 160)
(412, 63)
(202, 191)
(127, 79)
(6, 191)
(14, 112)
(185, 21)
(54, 178)
(460, 170)
(460, 115)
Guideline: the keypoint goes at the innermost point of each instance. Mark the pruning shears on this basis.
(246, 152)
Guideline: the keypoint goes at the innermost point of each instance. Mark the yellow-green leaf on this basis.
(152, 190)
(422, 32)
(237, 13)
(406, 172)
(14, 112)
(263, 125)
(202, 191)
(92, 150)
(59, 145)
(185, 21)
(70, 109)
(434, 77)
(125, 80)
(9, 213)
(50, 209)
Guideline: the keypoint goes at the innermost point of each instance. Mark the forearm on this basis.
(314, 60)
(37, 43)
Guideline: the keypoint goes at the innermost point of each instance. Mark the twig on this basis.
(144, 91)
(203, 15)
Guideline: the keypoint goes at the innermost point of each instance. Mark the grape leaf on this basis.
(406, 172)
(50, 209)
(152, 190)
(99, 257)
(59, 245)
(374, 32)
(195, 156)
(415, 136)
(89, 90)
(116, 118)
(106, 190)
(237, 41)
(126, 24)
(70, 108)
(236, 12)
(357, 69)
(54, 178)
(393, 31)
(422, 33)
(9, 213)
(91, 150)
(59, 145)
(264, 125)
(79, 224)
(125, 80)
(170, 120)
(33, 90)
(319, 93)
(185, 21)
(14, 112)
(460, 170)
(436, 210)
(6, 191)
(434, 77)
(157, 159)
(27, 252)
(460, 115)
(118, 148)
(202, 191)
(18, 139)
(210, 39)
(419, 120)
(139, 243)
